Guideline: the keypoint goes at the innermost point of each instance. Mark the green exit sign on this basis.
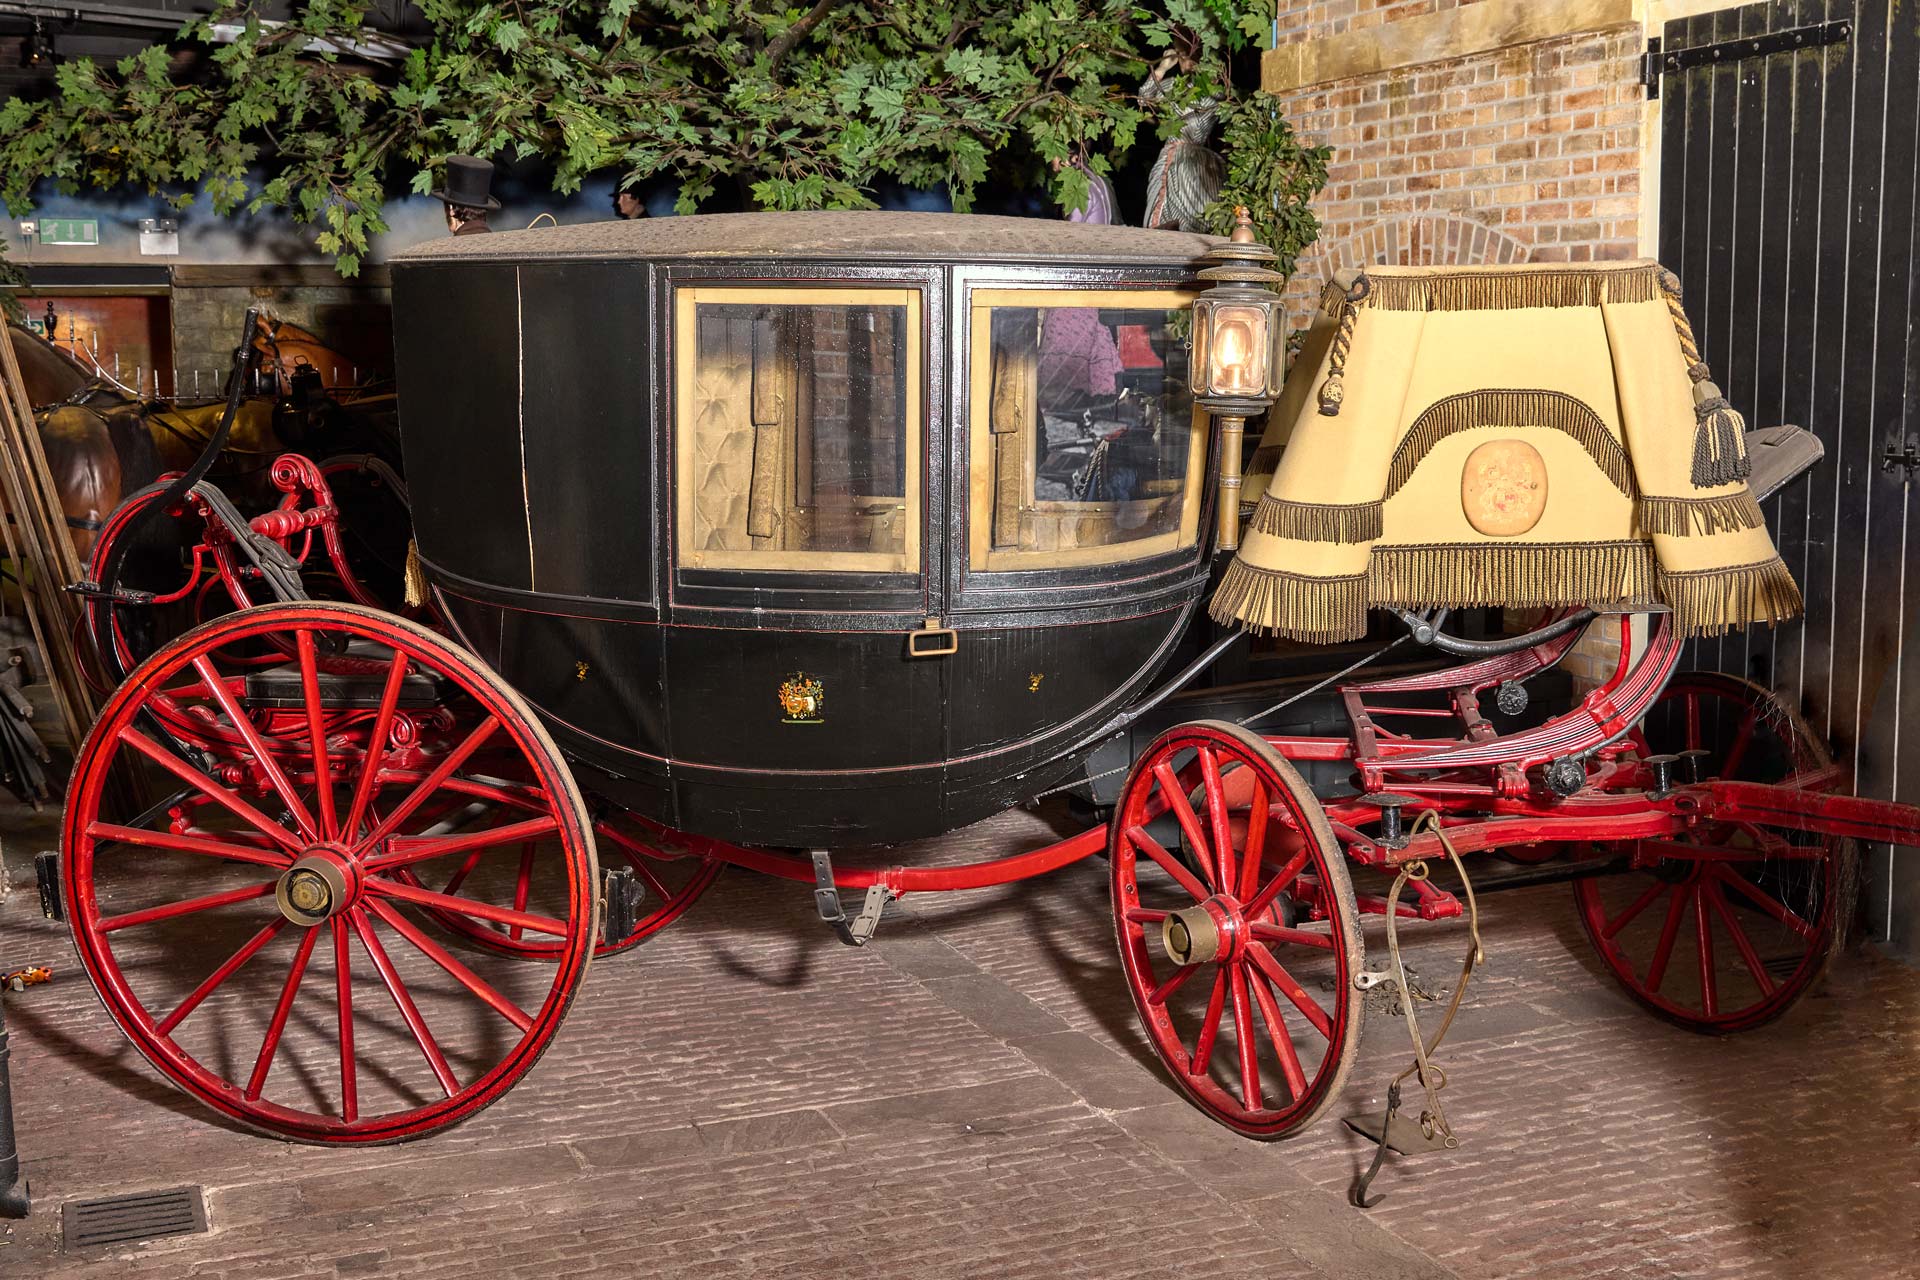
(69, 231)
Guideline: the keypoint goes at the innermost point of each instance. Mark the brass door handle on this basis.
(932, 641)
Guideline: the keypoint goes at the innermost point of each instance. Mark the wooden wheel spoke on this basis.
(187, 907)
(317, 735)
(467, 907)
(431, 783)
(1281, 879)
(1765, 901)
(1168, 863)
(409, 1012)
(1143, 915)
(1284, 983)
(1703, 938)
(343, 999)
(227, 969)
(1691, 703)
(262, 754)
(1741, 943)
(433, 951)
(1259, 814)
(1209, 1025)
(177, 843)
(461, 872)
(1634, 908)
(1176, 800)
(1161, 993)
(206, 786)
(270, 1043)
(1291, 936)
(653, 882)
(1663, 951)
(404, 851)
(1290, 1069)
(522, 887)
(1249, 1048)
(1742, 739)
(376, 745)
(1219, 832)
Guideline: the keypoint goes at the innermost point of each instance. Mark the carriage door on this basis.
(1788, 179)
(801, 522)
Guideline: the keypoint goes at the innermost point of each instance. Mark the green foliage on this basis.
(1273, 174)
(787, 106)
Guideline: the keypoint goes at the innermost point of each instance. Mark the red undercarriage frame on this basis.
(1744, 829)
(1486, 786)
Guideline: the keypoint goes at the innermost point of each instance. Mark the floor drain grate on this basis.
(143, 1215)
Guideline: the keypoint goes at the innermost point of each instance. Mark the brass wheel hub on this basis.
(1202, 933)
(321, 883)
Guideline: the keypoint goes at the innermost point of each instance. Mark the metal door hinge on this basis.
(1657, 62)
(1902, 453)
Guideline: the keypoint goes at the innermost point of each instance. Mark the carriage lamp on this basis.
(1238, 360)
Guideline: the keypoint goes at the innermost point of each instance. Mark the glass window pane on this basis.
(1090, 444)
(799, 429)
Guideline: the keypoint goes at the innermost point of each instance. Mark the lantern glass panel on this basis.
(1241, 349)
(1202, 338)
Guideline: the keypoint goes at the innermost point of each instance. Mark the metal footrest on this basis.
(855, 930)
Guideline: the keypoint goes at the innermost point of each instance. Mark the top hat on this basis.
(468, 180)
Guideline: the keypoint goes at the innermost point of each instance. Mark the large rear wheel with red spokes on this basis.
(246, 900)
(1237, 927)
(1723, 927)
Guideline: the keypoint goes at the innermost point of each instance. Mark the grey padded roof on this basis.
(845, 236)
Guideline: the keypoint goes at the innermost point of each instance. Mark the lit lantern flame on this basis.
(1239, 356)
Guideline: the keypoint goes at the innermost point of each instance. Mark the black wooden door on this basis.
(1788, 184)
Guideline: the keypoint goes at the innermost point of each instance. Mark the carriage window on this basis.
(1087, 448)
(798, 440)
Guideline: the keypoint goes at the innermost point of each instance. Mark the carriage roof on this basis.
(840, 236)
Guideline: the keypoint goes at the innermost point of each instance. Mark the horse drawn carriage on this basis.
(745, 540)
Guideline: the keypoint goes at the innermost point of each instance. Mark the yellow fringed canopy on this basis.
(1508, 435)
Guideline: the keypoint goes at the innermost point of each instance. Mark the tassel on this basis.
(1719, 445)
(1333, 393)
(415, 577)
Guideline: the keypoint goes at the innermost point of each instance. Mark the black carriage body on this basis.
(553, 406)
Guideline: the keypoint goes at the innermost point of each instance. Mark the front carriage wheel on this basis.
(1264, 1038)
(1731, 922)
(239, 856)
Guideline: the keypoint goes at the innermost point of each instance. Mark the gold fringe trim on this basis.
(414, 577)
(1265, 460)
(1554, 410)
(1274, 602)
(1519, 575)
(1505, 290)
(1318, 521)
(1708, 602)
(1683, 517)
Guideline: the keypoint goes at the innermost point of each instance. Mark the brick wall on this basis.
(1528, 152)
(1483, 152)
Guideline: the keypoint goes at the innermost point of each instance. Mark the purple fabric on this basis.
(1100, 200)
(1078, 353)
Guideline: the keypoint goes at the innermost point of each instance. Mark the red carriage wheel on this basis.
(253, 932)
(672, 882)
(1257, 1020)
(1735, 921)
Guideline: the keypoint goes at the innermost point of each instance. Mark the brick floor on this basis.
(969, 1096)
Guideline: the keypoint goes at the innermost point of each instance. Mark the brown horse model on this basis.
(102, 443)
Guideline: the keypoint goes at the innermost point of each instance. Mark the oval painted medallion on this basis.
(1503, 487)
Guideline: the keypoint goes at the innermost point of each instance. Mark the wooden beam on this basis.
(1435, 37)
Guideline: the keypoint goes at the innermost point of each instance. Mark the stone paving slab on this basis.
(970, 1096)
